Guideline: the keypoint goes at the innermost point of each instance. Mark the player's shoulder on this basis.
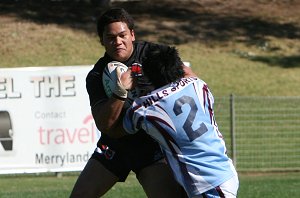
(193, 79)
(201, 81)
(102, 62)
(99, 66)
(145, 45)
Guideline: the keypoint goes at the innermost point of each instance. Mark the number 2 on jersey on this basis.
(187, 126)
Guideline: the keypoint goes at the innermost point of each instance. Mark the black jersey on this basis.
(97, 94)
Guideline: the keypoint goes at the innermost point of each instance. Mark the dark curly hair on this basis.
(163, 65)
(114, 15)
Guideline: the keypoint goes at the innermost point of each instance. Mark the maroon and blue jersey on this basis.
(180, 117)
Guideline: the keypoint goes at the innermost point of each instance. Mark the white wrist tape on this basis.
(120, 90)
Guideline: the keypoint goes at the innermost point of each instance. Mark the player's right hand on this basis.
(127, 80)
(124, 83)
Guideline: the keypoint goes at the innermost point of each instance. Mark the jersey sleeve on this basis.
(132, 120)
(94, 84)
(94, 88)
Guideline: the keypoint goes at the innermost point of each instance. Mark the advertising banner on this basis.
(45, 120)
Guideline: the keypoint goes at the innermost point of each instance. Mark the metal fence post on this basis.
(232, 129)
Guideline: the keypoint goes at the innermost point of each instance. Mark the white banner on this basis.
(45, 120)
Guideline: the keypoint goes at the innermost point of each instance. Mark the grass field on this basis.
(266, 131)
(245, 53)
(283, 185)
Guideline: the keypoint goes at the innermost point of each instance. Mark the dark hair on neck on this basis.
(114, 15)
(163, 66)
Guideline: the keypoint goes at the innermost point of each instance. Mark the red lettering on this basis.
(71, 138)
(80, 135)
(83, 135)
(40, 131)
(60, 138)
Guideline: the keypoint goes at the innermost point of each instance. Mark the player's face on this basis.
(117, 40)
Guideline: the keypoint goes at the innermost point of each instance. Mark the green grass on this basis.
(47, 45)
(227, 72)
(35, 186)
(270, 186)
(266, 131)
(47, 185)
(283, 185)
(245, 70)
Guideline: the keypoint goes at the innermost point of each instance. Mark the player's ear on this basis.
(132, 35)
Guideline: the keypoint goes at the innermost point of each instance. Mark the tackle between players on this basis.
(114, 158)
(179, 115)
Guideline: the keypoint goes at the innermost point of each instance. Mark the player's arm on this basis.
(107, 113)
(188, 72)
(133, 119)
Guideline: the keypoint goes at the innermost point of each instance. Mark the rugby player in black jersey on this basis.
(114, 158)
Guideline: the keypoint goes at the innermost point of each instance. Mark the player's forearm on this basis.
(106, 114)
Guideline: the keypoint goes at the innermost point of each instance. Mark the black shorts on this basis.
(130, 153)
